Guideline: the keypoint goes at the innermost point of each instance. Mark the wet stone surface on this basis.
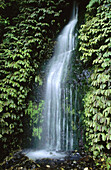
(73, 161)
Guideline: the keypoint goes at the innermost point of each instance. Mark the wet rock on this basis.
(86, 168)
(47, 166)
(73, 161)
(74, 156)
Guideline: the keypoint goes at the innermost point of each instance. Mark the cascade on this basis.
(58, 133)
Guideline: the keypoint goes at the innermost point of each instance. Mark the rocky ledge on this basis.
(73, 161)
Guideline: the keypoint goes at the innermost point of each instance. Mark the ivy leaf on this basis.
(103, 136)
(108, 146)
(1, 108)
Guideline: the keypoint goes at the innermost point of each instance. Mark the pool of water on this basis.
(41, 154)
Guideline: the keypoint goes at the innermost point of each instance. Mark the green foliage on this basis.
(92, 2)
(95, 44)
(36, 120)
(26, 30)
(108, 162)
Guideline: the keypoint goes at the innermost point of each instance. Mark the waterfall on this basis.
(58, 133)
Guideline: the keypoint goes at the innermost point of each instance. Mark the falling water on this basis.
(58, 130)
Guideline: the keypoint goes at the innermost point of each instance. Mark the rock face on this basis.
(73, 161)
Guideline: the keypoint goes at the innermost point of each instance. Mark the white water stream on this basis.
(58, 133)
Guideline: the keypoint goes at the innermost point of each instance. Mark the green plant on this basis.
(95, 44)
(25, 44)
(36, 119)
